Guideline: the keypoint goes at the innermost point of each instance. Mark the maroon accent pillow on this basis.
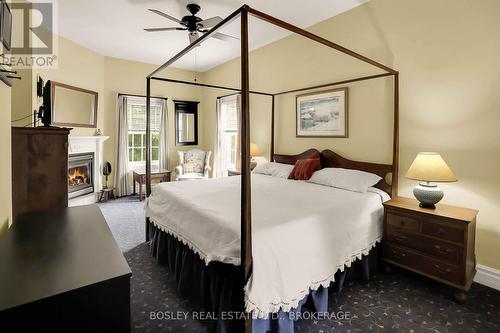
(304, 169)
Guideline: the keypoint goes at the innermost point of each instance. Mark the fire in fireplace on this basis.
(80, 174)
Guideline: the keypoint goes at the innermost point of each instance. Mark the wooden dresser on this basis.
(437, 243)
(62, 271)
(39, 169)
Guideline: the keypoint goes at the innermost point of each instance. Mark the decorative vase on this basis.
(428, 194)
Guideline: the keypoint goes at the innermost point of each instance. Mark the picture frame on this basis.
(322, 114)
(5, 25)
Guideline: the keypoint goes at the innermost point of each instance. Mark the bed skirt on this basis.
(217, 288)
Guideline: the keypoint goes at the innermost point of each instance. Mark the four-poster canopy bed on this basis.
(328, 158)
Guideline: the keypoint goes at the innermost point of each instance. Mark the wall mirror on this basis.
(73, 106)
(186, 123)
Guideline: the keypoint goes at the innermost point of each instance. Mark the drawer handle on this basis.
(402, 222)
(441, 232)
(438, 248)
(442, 271)
(400, 238)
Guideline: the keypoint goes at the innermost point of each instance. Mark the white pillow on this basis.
(261, 168)
(274, 169)
(347, 179)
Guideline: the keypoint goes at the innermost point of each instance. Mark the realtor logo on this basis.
(34, 35)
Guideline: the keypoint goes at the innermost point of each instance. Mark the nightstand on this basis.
(437, 243)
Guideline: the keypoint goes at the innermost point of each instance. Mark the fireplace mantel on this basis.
(88, 144)
(93, 137)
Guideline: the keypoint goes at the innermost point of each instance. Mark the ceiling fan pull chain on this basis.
(195, 64)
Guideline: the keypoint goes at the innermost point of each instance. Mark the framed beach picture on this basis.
(322, 114)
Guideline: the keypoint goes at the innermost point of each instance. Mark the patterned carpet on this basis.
(125, 217)
(397, 302)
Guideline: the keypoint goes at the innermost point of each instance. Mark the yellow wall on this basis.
(5, 155)
(129, 77)
(448, 53)
(22, 99)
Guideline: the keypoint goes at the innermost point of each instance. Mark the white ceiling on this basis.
(115, 27)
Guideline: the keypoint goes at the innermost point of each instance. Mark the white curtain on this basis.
(219, 156)
(238, 141)
(218, 162)
(163, 157)
(121, 173)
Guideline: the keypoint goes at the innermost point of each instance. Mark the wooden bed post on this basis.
(148, 148)
(246, 195)
(148, 136)
(272, 130)
(395, 141)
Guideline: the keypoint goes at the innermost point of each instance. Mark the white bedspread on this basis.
(302, 232)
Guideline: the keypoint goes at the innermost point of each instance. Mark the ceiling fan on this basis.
(193, 24)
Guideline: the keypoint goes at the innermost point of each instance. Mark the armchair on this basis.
(193, 164)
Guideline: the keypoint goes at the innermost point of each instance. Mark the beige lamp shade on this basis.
(430, 167)
(254, 150)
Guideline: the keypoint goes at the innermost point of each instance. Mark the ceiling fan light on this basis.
(193, 24)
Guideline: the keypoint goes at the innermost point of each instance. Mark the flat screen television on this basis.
(45, 111)
(6, 24)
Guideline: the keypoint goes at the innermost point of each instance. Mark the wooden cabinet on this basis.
(39, 169)
(436, 243)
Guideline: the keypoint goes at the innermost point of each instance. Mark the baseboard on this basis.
(488, 276)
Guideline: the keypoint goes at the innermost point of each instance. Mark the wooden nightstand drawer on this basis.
(423, 263)
(436, 248)
(403, 222)
(400, 255)
(454, 233)
(442, 270)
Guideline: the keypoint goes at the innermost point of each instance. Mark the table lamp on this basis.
(429, 167)
(254, 151)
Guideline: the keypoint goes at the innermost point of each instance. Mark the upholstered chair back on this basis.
(194, 163)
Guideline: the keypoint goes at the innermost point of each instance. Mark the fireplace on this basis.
(80, 174)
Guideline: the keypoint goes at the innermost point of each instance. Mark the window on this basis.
(228, 134)
(136, 114)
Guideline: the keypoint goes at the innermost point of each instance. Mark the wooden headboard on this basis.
(330, 159)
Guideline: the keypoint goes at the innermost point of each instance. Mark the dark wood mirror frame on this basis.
(53, 86)
(186, 107)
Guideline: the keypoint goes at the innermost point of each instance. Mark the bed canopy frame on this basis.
(246, 218)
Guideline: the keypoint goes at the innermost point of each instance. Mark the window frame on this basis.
(226, 160)
(141, 164)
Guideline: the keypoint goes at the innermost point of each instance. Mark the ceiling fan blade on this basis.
(166, 15)
(211, 22)
(224, 37)
(192, 37)
(162, 29)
